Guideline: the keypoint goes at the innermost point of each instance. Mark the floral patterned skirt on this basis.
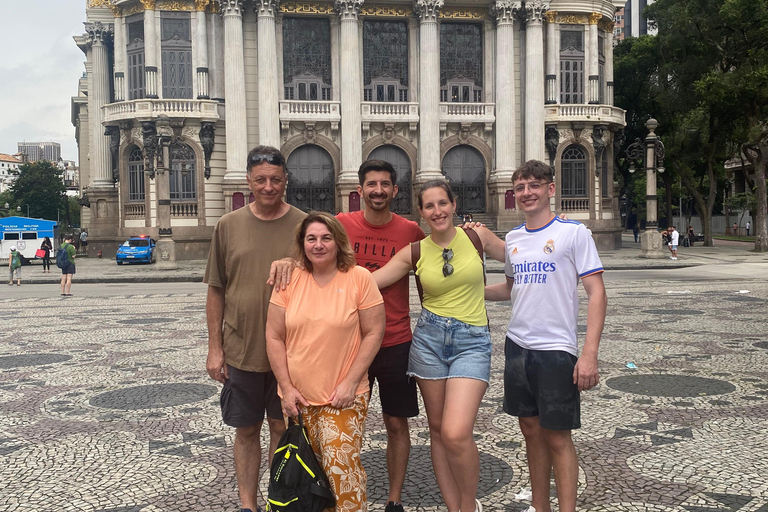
(336, 436)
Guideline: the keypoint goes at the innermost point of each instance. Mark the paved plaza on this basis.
(105, 404)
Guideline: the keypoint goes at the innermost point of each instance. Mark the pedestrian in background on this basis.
(84, 240)
(14, 266)
(673, 238)
(46, 247)
(69, 269)
(747, 226)
(691, 235)
(635, 231)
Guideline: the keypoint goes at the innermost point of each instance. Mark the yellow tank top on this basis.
(460, 295)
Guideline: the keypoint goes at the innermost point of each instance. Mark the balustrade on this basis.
(574, 204)
(151, 108)
(183, 209)
(134, 210)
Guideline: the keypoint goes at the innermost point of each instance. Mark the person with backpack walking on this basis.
(46, 247)
(323, 331)
(65, 260)
(14, 266)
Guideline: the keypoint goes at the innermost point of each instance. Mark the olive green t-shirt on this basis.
(242, 249)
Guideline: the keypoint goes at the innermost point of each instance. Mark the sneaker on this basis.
(530, 509)
(674, 257)
(478, 506)
(393, 506)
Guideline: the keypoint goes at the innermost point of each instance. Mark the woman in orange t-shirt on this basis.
(323, 331)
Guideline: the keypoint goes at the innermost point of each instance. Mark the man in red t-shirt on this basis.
(376, 234)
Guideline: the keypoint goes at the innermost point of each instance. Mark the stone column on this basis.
(609, 64)
(534, 79)
(120, 59)
(103, 196)
(351, 95)
(593, 64)
(151, 37)
(269, 108)
(427, 12)
(505, 12)
(101, 172)
(201, 50)
(165, 247)
(234, 89)
(553, 59)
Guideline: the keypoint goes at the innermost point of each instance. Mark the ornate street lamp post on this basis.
(651, 153)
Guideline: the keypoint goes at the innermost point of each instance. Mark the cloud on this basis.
(39, 72)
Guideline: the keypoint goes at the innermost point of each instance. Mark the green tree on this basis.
(714, 55)
(39, 186)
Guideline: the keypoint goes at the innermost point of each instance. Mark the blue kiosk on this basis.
(26, 235)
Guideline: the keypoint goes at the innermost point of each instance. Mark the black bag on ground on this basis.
(297, 482)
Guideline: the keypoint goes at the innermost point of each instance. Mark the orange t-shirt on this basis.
(323, 329)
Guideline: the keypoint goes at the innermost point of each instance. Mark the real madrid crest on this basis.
(550, 247)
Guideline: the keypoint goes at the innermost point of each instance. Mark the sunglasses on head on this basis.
(447, 267)
(270, 159)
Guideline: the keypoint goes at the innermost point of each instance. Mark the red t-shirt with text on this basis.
(374, 246)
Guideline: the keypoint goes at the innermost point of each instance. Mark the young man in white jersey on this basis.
(544, 260)
(674, 237)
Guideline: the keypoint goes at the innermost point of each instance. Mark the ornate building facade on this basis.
(177, 91)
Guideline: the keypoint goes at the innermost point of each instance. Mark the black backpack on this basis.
(297, 482)
(62, 258)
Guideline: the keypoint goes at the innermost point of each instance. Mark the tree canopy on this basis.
(705, 77)
(39, 186)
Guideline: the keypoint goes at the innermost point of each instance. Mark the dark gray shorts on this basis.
(540, 383)
(246, 395)
(68, 269)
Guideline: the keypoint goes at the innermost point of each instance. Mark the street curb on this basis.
(199, 279)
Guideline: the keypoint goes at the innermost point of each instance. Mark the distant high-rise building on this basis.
(630, 21)
(35, 151)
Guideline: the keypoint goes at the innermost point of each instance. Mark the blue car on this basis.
(136, 248)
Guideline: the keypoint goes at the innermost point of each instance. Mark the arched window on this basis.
(574, 172)
(311, 179)
(135, 51)
(136, 175)
(183, 173)
(461, 62)
(572, 65)
(385, 60)
(307, 59)
(463, 165)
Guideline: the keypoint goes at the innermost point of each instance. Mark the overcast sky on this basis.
(39, 70)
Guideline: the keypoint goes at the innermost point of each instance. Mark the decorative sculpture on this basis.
(207, 135)
(149, 134)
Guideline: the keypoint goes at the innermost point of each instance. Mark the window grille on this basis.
(461, 62)
(572, 66)
(136, 175)
(135, 50)
(176, 45)
(574, 172)
(183, 173)
(307, 58)
(385, 60)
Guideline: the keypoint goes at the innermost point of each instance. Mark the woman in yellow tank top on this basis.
(451, 350)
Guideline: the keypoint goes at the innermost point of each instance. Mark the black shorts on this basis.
(68, 269)
(246, 395)
(540, 383)
(396, 391)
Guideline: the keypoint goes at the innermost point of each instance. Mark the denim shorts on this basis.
(446, 348)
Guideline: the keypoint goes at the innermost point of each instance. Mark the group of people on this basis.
(306, 312)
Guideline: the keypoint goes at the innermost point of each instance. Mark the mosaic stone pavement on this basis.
(105, 406)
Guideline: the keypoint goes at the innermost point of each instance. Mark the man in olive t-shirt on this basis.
(244, 244)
